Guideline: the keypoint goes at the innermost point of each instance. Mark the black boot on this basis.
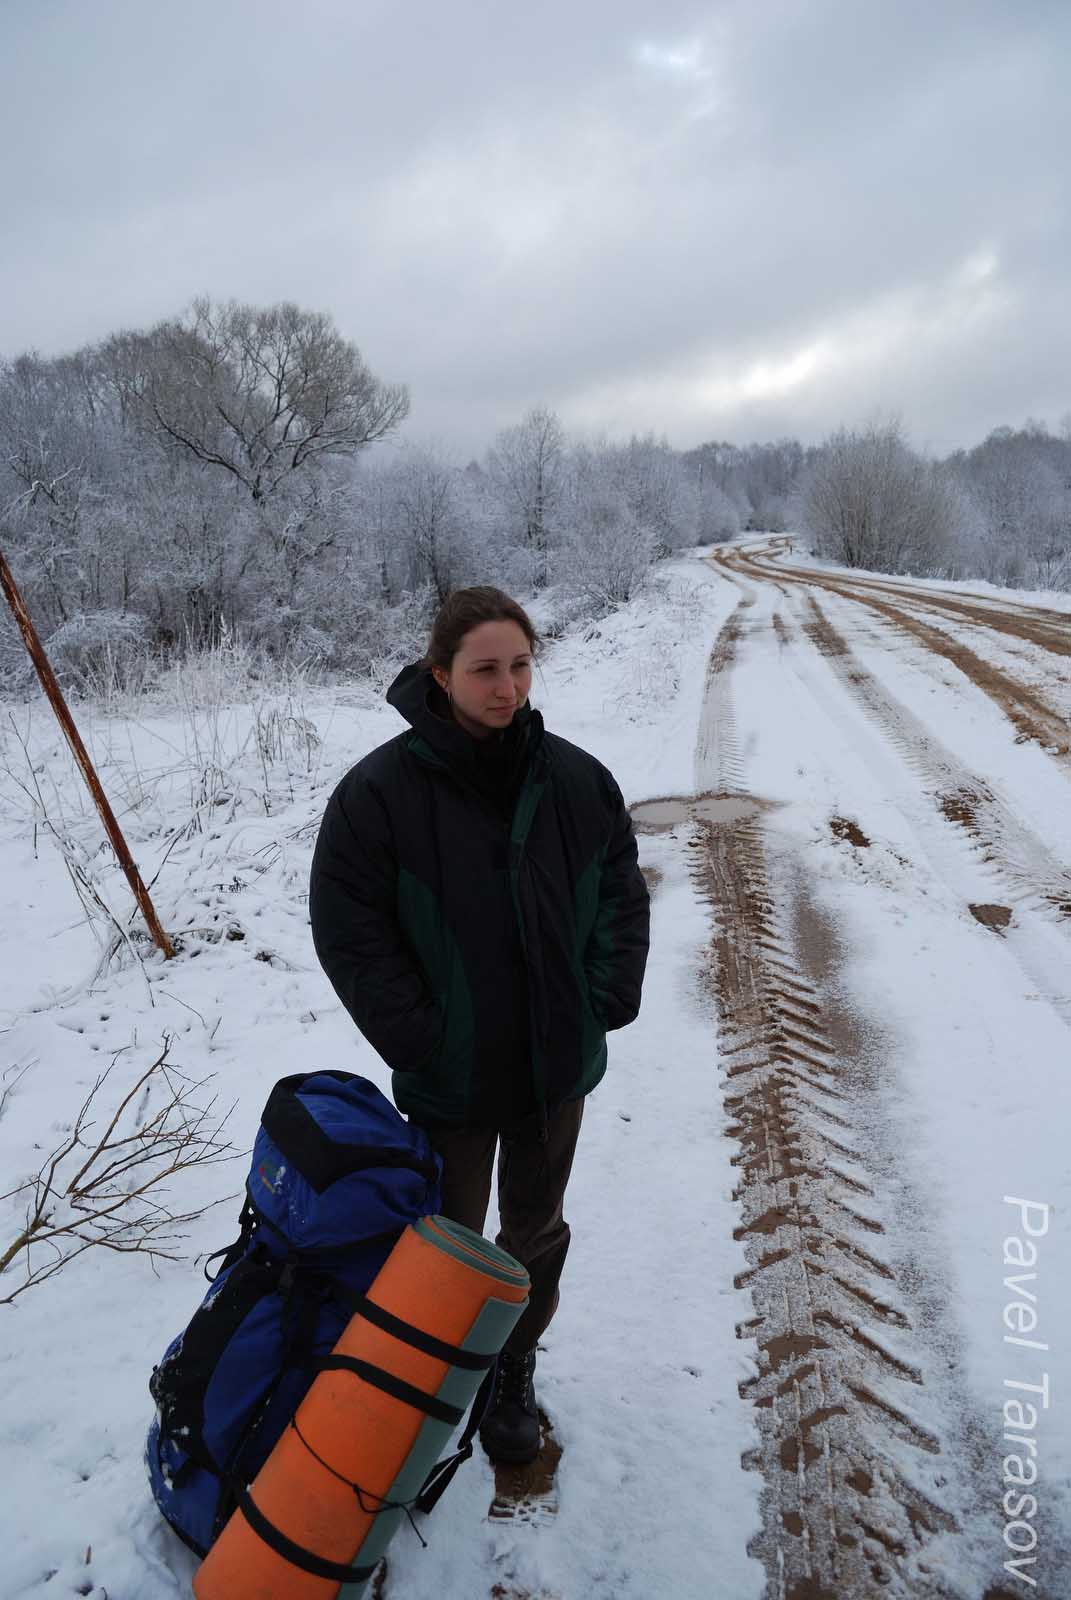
(510, 1430)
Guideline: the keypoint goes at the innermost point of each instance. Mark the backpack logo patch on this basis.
(271, 1175)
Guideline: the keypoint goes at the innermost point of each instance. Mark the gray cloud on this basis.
(711, 220)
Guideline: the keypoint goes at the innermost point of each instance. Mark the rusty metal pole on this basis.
(81, 755)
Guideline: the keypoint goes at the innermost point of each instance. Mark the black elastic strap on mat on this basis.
(397, 1388)
(360, 1305)
(296, 1554)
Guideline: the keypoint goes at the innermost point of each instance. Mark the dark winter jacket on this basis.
(479, 910)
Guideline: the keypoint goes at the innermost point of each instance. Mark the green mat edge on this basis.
(488, 1333)
(494, 1261)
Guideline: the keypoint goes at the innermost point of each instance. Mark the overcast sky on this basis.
(729, 220)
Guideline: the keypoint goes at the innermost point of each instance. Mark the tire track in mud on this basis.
(1032, 877)
(852, 1477)
(1031, 714)
(1024, 870)
(717, 744)
(1050, 630)
(851, 1474)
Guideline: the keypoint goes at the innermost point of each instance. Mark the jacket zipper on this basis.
(515, 852)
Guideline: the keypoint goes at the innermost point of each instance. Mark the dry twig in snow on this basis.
(116, 1196)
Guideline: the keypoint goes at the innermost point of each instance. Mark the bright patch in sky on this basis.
(684, 60)
(887, 332)
(985, 263)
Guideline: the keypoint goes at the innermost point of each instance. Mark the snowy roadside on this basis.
(798, 555)
(641, 1366)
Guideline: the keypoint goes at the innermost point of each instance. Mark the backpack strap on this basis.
(231, 1252)
(443, 1471)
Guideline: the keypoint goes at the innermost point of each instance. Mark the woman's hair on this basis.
(465, 609)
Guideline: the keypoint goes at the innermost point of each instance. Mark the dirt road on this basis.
(876, 1450)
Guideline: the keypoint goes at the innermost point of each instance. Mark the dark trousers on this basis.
(531, 1188)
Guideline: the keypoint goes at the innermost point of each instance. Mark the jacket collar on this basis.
(416, 696)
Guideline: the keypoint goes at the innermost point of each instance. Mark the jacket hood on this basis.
(416, 696)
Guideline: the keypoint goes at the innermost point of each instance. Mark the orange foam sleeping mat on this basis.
(329, 1498)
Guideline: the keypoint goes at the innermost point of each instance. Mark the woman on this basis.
(477, 904)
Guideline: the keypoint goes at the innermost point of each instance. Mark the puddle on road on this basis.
(656, 816)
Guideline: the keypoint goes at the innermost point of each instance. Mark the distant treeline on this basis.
(215, 472)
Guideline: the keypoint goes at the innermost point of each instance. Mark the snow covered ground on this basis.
(642, 1366)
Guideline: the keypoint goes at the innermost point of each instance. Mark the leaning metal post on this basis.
(78, 749)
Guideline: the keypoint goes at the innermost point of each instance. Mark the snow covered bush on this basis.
(95, 648)
(606, 553)
(867, 500)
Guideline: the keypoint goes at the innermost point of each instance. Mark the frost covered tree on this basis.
(415, 528)
(164, 482)
(46, 447)
(719, 513)
(257, 392)
(426, 513)
(526, 464)
(746, 486)
(1018, 485)
(660, 493)
(770, 475)
(606, 550)
(867, 500)
(379, 537)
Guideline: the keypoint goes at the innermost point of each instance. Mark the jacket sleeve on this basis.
(616, 955)
(357, 934)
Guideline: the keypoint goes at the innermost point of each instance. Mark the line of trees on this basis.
(217, 471)
(1001, 511)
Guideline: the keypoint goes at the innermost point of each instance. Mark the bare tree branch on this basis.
(116, 1196)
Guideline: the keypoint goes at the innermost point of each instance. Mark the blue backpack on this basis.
(337, 1175)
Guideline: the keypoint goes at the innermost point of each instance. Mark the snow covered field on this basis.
(935, 1066)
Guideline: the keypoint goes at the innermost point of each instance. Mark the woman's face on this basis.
(489, 677)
